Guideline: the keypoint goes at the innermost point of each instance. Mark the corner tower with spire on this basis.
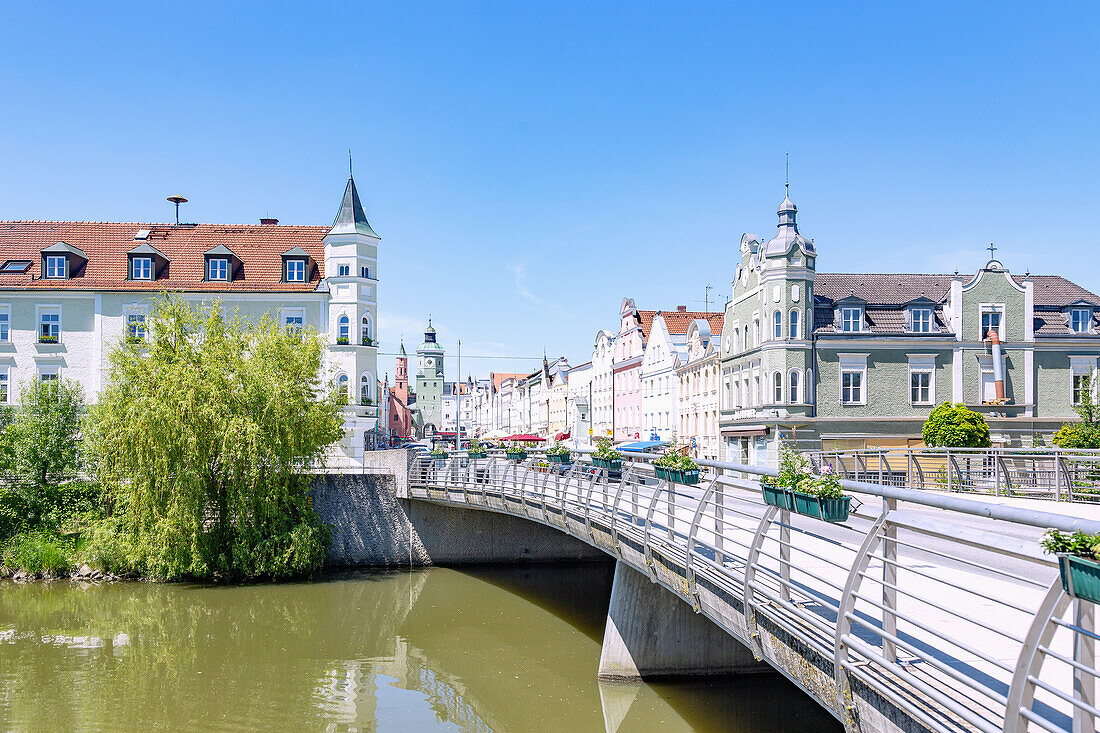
(429, 381)
(351, 278)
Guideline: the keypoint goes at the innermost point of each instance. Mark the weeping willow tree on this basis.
(201, 438)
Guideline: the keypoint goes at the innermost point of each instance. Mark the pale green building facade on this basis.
(841, 361)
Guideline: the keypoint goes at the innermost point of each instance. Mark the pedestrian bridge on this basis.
(922, 611)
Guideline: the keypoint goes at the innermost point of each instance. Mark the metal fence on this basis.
(942, 605)
(1039, 474)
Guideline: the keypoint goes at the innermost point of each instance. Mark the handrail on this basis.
(970, 615)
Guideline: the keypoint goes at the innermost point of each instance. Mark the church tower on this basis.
(401, 382)
(429, 380)
(351, 278)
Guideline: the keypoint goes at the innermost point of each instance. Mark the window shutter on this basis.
(836, 318)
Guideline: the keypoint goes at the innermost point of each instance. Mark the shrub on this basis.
(1078, 543)
(38, 552)
(954, 425)
(439, 452)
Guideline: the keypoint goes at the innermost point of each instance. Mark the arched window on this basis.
(778, 388)
(342, 387)
(343, 333)
(778, 320)
(366, 391)
(794, 325)
(367, 337)
(792, 386)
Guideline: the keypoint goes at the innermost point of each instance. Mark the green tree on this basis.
(44, 433)
(201, 440)
(1084, 434)
(954, 425)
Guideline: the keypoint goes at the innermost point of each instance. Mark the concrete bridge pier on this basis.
(651, 633)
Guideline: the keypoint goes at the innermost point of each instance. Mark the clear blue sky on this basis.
(528, 165)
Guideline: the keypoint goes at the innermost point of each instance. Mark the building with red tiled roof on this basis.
(71, 291)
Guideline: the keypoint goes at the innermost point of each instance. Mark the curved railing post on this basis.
(648, 526)
(690, 569)
(844, 624)
(1021, 692)
(748, 604)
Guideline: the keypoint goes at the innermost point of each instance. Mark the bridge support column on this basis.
(652, 633)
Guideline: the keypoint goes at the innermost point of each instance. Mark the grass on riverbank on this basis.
(38, 553)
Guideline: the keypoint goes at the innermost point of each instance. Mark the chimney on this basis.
(268, 222)
(681, 309)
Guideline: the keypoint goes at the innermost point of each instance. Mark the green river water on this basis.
(500, 649)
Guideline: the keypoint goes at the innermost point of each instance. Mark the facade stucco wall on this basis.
(886, 383)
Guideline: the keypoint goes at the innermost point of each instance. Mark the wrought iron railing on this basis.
(942, 605)
(1010, 472)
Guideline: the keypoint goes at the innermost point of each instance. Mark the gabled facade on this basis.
(859, 360)
(603, 387)
(69, 291)
(698, 389)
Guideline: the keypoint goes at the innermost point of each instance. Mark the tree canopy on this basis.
(954, 425)
(1084, 434)
(201, 438)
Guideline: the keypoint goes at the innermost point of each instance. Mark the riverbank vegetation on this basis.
(190, 465)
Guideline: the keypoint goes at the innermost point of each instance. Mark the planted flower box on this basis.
(610, 464)
(558, 457)
(777, 496)
(828, 510)
(517, 456)
(662, 473)
(474, 455)
(341, 340)
(47, 339)
(689, 476)
(1080, 576)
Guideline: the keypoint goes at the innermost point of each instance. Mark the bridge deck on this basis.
(938, 609)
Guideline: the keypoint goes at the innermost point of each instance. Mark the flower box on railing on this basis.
(517, 456)
(611, 465)
(475, 455)
(1080, 577)
(777, 496)
(662, 473)
(557, 457)
(828, 510)
(689, 476)
(369, 342)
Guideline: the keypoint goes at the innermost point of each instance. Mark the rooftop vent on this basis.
(681, 309)
(268, 222)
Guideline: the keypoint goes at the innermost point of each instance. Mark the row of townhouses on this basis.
(823, 360)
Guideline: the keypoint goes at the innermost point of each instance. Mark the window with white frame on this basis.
(5, 385)
(141, 268)
(49, 324)
(135, 326)
(1080, 320)
(922, 379)
(992, 320)
(778, 322)
(777, 384)
(1082, 369)
(217, 268)
(342, 387)
(365, 394)
(922, 320)
(792, 387)
(1080, 387)
(853, 378)
(851, 319)
(796, 327)
(294, 319)
(57, 266)
(48, 373)
(5, 323)
(343, 270)
(295, 271)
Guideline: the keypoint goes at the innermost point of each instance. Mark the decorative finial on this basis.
(349, 163)
(787, 185)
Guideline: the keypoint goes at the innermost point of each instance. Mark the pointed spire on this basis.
(403, 347)
(351, 219)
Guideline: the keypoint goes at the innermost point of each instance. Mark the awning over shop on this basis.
(640, 446)
(748, 431)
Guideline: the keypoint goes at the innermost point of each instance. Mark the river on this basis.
(486, 649)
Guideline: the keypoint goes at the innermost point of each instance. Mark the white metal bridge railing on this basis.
(1061, 475)
(942, 605)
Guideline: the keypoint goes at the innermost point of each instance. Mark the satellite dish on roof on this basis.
(177, 200)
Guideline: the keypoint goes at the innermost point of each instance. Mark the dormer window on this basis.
(57, 267)
(217, 268)
(1080, 320)
(851, 319)
(921, 320)
(141, 268)
(295, 271)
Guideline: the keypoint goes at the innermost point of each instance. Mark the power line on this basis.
(475, 356)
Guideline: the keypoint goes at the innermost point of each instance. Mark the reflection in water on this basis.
(474, 650)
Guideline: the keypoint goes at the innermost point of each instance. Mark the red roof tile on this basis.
(259, 247)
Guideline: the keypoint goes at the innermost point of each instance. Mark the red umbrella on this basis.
(524, 438)
(562, 436)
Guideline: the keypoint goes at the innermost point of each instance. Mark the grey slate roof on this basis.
(351, 219)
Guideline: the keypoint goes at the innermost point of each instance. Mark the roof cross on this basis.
(991, 249)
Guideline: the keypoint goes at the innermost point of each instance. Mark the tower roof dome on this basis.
(787, 235)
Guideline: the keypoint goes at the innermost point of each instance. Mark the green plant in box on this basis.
(1078, 556)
